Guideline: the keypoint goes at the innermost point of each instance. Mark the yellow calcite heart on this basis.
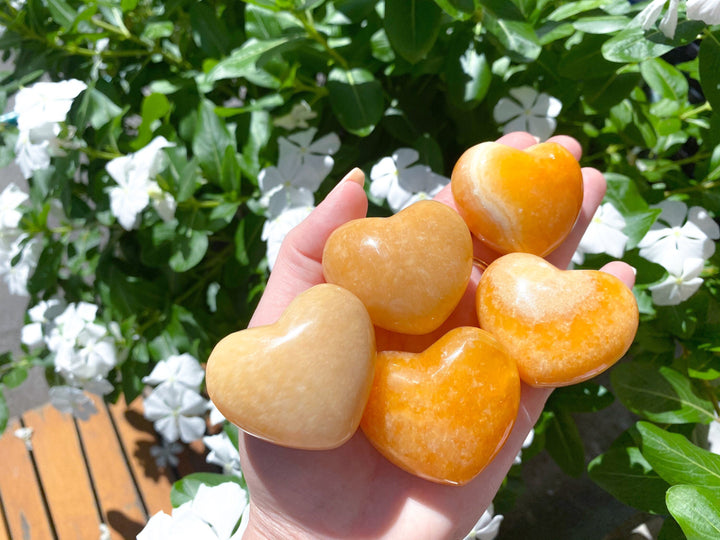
(561, 326)
(410, 270)
(302, 382)
(518, 200)
(444, 413)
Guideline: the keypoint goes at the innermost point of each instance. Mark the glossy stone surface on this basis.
(561, 326)
(302, 382)
(410, 270)
(444, 413)
(518, 200)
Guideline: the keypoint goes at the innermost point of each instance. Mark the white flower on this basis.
(70, 323)
(297, 117)
(166, 453)
(396, 179)
(679, 234)
(88, 361)
(713, 436)
(68, 399)
(651, 12)
(680, 286)
(302, 166)
(603, 235)
(528, 111)
(526, 444)
(133, 174)
(41, 316)
(212, 515)
(105, 532)
(487, 527)
(223, 453)
(176, 413)
(707, 11)
(25, 434)
(16, 276)
(46, 102)
(179, 369)
(162, 201)
(275, 230)
(215, 417)
(10, 200)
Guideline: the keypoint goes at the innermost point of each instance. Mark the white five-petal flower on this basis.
(136, 188)
(213, 514)
(603, 235)
(45, 102)
(679, 234)
(297, 117)
(680, 285)
(275, 230)
(301, 168)
(222, 452)
(177, 370)
(399, 178)
(528, 110)
(10, 200)
(651, 12)
(176, 412)
(487, 527)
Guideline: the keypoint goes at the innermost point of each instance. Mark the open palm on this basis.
(353, 491)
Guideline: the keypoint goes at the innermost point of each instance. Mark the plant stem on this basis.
(305, 18)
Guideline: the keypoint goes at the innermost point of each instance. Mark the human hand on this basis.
(353, 491)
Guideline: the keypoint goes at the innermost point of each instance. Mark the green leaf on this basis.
(570, 9)
(412, 26)
(185, 489)
(709, 68)
(209, 32)
(518, 37)
(15, 377)
(101, 108)
(154, 107)
(230, 172)
(631, 45)
(62, 13)
(45, 275)
(602, 24)
(4, 412)
(677, 460)
(211, 139)
(502, 9)
(660, 394)
(564, 444)
(247, 238)
(243, 62)
(188, 249)
(627, 476)
(665, 79)
(697, 510)
(457, 9)
(356, 98)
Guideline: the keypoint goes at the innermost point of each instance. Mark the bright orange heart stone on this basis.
(518, 200)
(410, 270)
(444, 413)
(561, 326)
(303, 381)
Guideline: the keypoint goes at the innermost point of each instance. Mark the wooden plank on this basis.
(20, 492)
(62, 471)
(121, 507)
(137, 437)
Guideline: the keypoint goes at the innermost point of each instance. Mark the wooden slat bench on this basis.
(81, 474)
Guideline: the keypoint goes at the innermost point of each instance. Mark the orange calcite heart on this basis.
(444, 413)
(518, 200)
(410, 270)
(302, 382)
(561, 326)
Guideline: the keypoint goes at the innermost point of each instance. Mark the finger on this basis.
(621, 270)
(593, 192)
(299, 263)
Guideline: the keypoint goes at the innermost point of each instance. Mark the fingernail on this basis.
(537, 139)
(634, 270)
(355, 175)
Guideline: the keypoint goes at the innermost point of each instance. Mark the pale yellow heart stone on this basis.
(302, 382)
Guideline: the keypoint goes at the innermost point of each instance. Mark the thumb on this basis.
(299, 262)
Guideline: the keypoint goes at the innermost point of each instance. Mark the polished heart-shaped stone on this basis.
(410, 270)
(518, 200)
(444, 413)
(561, 326)
(302, 382)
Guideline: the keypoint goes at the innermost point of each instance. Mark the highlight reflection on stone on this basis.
(518, 200)
(444, 413)
(561, 326)
(410, 270)
(302, 382)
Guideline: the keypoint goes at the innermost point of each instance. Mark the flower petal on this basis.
(505, 109)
